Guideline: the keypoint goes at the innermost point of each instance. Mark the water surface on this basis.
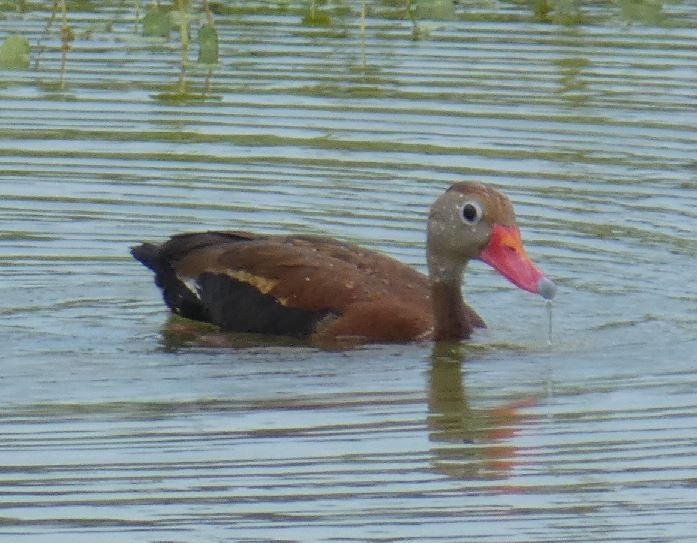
(111, 432)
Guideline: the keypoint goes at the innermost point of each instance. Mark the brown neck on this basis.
(450, 320)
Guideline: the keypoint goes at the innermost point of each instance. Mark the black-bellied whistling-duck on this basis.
(331, 291)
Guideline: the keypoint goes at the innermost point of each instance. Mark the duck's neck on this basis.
(450, 320)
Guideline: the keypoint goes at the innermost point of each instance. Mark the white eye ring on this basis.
(471, 212)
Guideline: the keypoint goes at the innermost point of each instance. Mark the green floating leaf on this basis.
(157, 24)
(207, 45)
(14, 53)
(315, 17)
(541, 10)
(643, 11)
(439, 10)
(179, 97)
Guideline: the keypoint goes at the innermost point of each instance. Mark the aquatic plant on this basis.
(158, 21)
(66, 33)
(14, 53)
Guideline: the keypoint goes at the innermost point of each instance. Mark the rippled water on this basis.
(110, 431)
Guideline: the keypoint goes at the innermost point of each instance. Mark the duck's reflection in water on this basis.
(469, 442)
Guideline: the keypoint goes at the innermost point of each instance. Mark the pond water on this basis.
(111, 432)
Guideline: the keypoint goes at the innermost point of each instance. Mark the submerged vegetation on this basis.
(158, 21)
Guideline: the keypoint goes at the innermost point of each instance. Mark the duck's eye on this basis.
(471, 213)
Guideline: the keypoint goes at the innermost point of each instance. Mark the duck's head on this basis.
(475, 221)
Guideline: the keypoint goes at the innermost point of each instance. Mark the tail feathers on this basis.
(178, 297)
(149, 255)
